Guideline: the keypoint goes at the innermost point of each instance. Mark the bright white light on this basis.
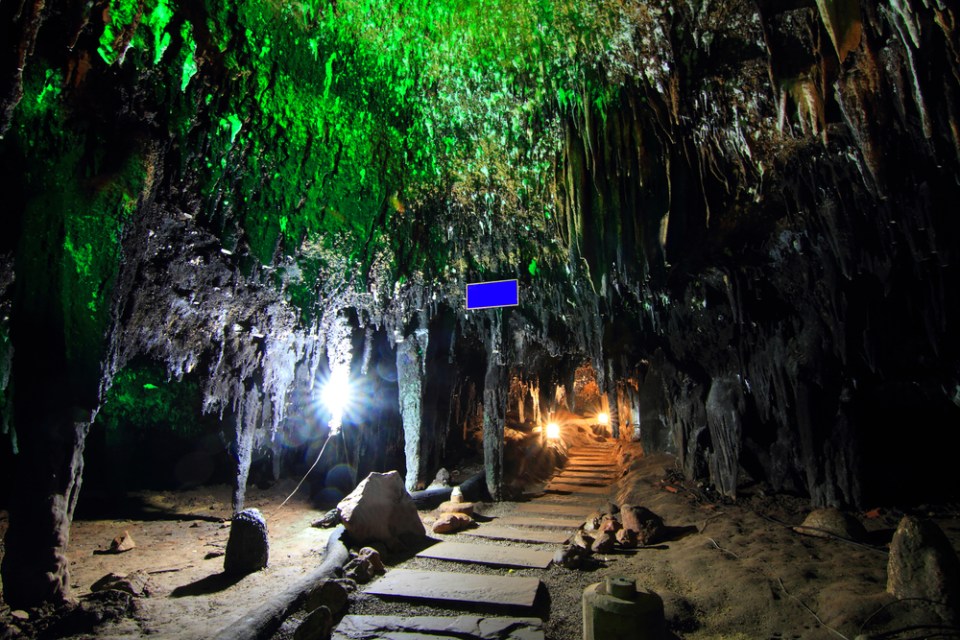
(603, 418)
(335, 396)
(553, 431)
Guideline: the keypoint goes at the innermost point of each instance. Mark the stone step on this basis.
(576, 488)
(536, 506)
(591, 502)
(470, 588)
(594, 468)
(542, 522)
(603, 473)
(533, 536)
(421, 627)
(488, 554)
(587, 482)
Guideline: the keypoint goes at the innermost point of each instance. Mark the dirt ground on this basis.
(730, 571)
(180, 538)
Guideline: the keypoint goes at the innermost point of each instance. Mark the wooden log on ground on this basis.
(262, 622)
(474, 489)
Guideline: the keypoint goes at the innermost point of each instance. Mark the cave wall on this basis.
(794, 177)
(738, 214)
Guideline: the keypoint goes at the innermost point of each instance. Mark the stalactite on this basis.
(410, 377)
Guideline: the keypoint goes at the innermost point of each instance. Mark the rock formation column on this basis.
(246, 420)
(410, 360)
(496, 393)
(496, 388)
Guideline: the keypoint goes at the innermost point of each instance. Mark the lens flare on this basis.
(603, 418)
(335, 397)
(553, 431)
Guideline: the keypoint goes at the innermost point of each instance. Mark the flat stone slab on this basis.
(590, 473)
(422, 627)
(537, 536)
(587, 501)
(563, 478)
(513, 591)
(554, 509)
(577, 488)
(488, 554)
(591, 467)
(533, 521)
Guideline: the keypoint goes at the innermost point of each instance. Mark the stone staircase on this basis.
(549, 518)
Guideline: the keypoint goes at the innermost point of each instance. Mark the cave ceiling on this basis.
(753, 198)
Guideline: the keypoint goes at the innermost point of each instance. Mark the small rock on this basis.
(582, 539)
(603, 543)
(359, 570)
(365, 566)
(452, 522)
(610, 509)
(456, 495)
(829, 522)
(571, 556)
(248, 548)
(610, 525)
(924, 565)
(592, 523)
(136, 583)
(372, 556)
(647, 524)
(627, 538)
(441, 480)
(330, 594)
(316, 626)
(122, 543)
(329, 520)
(456, 507)
(20, 614)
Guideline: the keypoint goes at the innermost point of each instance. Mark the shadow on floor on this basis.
(205, 586)
(132, 507)
(672, 534)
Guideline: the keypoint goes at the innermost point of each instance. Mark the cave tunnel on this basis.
(244, 392)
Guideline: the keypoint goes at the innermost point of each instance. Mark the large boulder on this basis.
(647, 525)
(247, 547)
(924, 565)
(380, 510)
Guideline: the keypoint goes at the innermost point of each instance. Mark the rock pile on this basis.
(627, 526)
(365, 566)
(455, 515)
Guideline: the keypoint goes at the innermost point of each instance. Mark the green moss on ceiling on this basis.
(334, 133)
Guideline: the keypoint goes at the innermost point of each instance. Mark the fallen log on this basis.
(474, 489)
(261, 623)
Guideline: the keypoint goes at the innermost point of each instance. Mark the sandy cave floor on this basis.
(727, 571)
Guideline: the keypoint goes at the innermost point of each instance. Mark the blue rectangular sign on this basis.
(484, 295)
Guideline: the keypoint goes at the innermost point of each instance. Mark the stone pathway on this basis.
(550, 517)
